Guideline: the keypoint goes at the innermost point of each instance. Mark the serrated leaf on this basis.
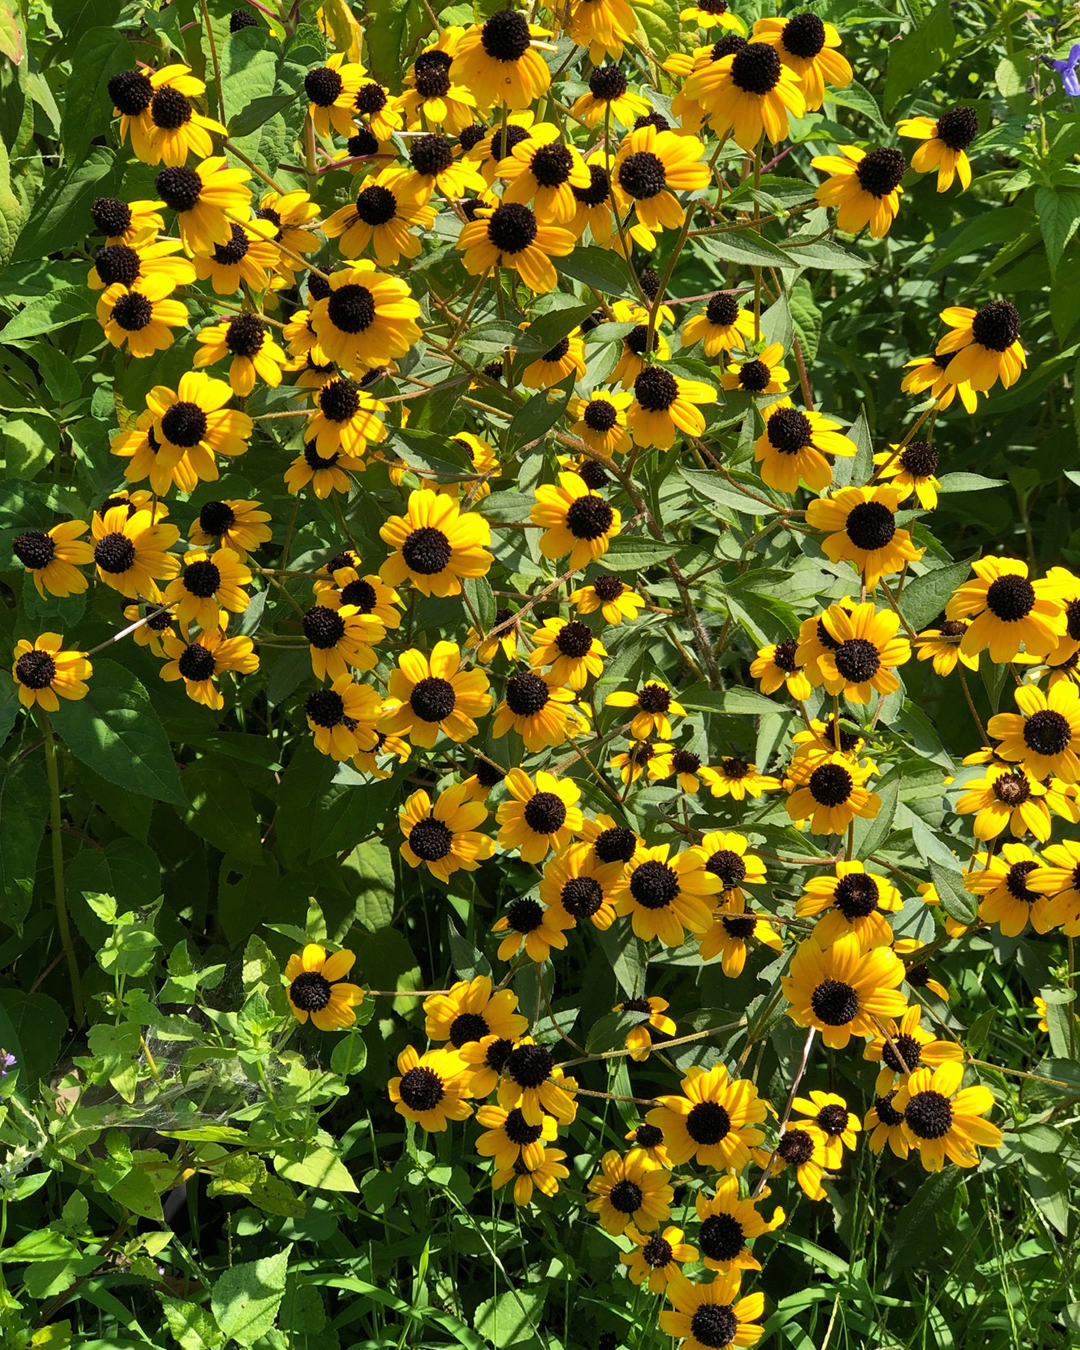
(925, 597)
(957, 902)
(1059, 216)
(245, 1299)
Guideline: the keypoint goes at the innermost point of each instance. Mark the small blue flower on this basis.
(1066, 68)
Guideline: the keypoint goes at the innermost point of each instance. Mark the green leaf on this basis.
(535, 418)
(249, 62)
(12, 37)
(969, 482)
(918, 56)
(101, 54)
(745, 246)
(369, 875)
(384, 35)
(718, 489)
(925, 597)
(824, 255)
(1059, 216)
(807, 318)
(221, 811)
(319, 1168)
(632, 553)
(597, 267)
(511, 1318)
(65, 305)
(116, 732)
(24, 807)
(870, 835)
(958, 903)
(246, 1298)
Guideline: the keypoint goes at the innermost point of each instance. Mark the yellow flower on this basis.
(544, 1177)
(388, 207)
(850, 901)
(332, 90)
(942, 646)
(435, 545)
(143, 315)
(665, 404)
(805, 1152)
(1007, 899)
(204, 198)
(749, 93)
(907, 1047)
(612, 597)
(535, 708)
(510, 1139)
(944, 1121)
(713, 14)
(885, 1125)
(444, 836)
(543, 170)
(603, 26)
(913, 469)
(542, 815)
(657, 1258)
(472, 1010)
(638, 1041)
(930, 373)
(576, 885)
(239, 525)
(714, 1121)
(534, 1083)
(325, 472)
(830, 791)
(566, 358)
(1007, 611)
(496, 62)
(792, 448)
(629, 1193)
(712, 1316)
(128, 223)
(345, 421)
(339, 637)
(192, 424)
(1006, 796)
(608, 91)
(367, 319)
(430, 1088)
(722, 325)
(841, 989)
(431, 97)
(654, 709)
(735, 777)
(860, 525)
(133, 265)
(761, 374)
(569, 649)
(511, 236)
(1045, 735)
(575, 520)
(808, 47)
(1058, 876)
(650, 167)
(600, 421)
(985, 345)
(247, 258)
(667, 896)
(866, 651)
(130, 551)
(199, 662)
(528, 924)
(777, 666)
(865, 187)
(826, 1116)
(245, 341)
(732, 929)
(945, 140)
(429, 694)
(317, 988)
(52, 558)
(343, 717)
(42, 670)
(207, 582)
(728, 1224)
(1040, 1008)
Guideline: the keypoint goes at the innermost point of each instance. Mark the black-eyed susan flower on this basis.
(714, 1121)
(486, 774)
(1008, 797)
(688, 111)
(150, 633)
(388, 207)
(613, 598)
(841, 989)
(860, 525)
(431, 97)
(239, 525)
(534, 1083)
(941, 645)
(628, 1193)
(943, 1120)
(131, 92)
(208, 584)
(429, 694)
(728, 1224)
(339, 637)
(654, 1015)
(1057, 875)
(748, 93)
(489, 146)
(42, 671)
(1007, 611)
(712, 14)
(650, 167)
(444, 836)
(803, 1151)
(665, 895)
(435, 545)
(129, 265)
(653, 707)
(593, 203)
(665, 404)
(929, 374)
(657, 1258)
(566, 358)
(367, 318)
(809, 47)
(535, 708)
(827, 1114)
(484, 1060)
(528, 925)
(912, 469)
(608, 93)
(883, 1124)
(379, 761)
(578, 886)
(53, 557)
(471, 1010)
(142, 316)
(317, 989)
(722, 325)
(850, 900)
(430, 1089)
(776, 666)
(192, 423)
(985, 345)
(126, 222)
(575, 520)
(725, 855)
(542, 171)
(600, 421)
(174, 126)
(945, 140)
(544, 1176)
(1007, 900)
(204, 197)
(506, 639)
(734, 927)
(735, 777)
(712, 1316)
(636, 344)
(866, 653)
(603, 26)
(675, 761)
(331, 90)
(792, 448)
(497, 63)
(828, 737)
(131, 552)
(325, 472)
(541, 817)
(634, 760)
(829, 791)
(508, 1137)
(511, 236)
(377, 111)
(290, 214)
(200, 661)
(342, 718)
(647, 1143)
(760, 374)
(865, 187)
(346, 421)
(908, 1046)
(569, 650)
(1044, 736)
(245, 342)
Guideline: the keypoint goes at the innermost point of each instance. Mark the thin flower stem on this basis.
(985, 740)
(226, 144)
(665, 1045)
(214, 62)
(57, 840)
(803, 1062)
(123, 632)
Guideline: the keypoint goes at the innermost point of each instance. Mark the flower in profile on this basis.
(602, 26)
(860, 525)
(200, 661)
(471, 1010)
(907, 1047)
(343, 717)
(289, 215)
(852, 900)
(1044, 736)
(245, 342)
(665, 404)
(884, 1124)
(912, 469)
(943, 1120)
(736, 777)
(666, 895)
(544, 1176)
(429, 694)
(497, 63)
(203, 198)
(792, 448)
(613, 598)
(638, 1040)
(53, 558)
(733, 928)
(1066, 69)
(575, 520)
(431, 1088)
(843, 988)
(510, 235)
(435, 545)
(712, 14)
(629, 1193)
(42, 670)
(317, 989)
(712, 1316)
(151, 632)
(444, 836)
(945, 140)
(657, 1257)
(541, 817)
(566, 358)
(864, 186)
(1058, 876)
(749, 93)
(808, 47)
(984, 344)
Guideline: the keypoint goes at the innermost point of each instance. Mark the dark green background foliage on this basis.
(225, 842)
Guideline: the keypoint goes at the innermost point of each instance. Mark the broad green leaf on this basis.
(249, 62)
(384, 36)
(318, 1168)
(957, 902)
(720, 490)
(598, 267)
(745, 246)
(535, 418)
(24, 808)
(969, 482)
(911, 1230)
(101, 54)
(245, 1299)
(918, 56)
(1059, 216)
(631, 553)
(923, 598)
(221, 811)
(67, 305)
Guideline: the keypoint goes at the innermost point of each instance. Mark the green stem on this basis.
(57, 840)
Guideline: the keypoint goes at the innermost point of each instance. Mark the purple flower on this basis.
(1066, 68)
(6, 1062)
